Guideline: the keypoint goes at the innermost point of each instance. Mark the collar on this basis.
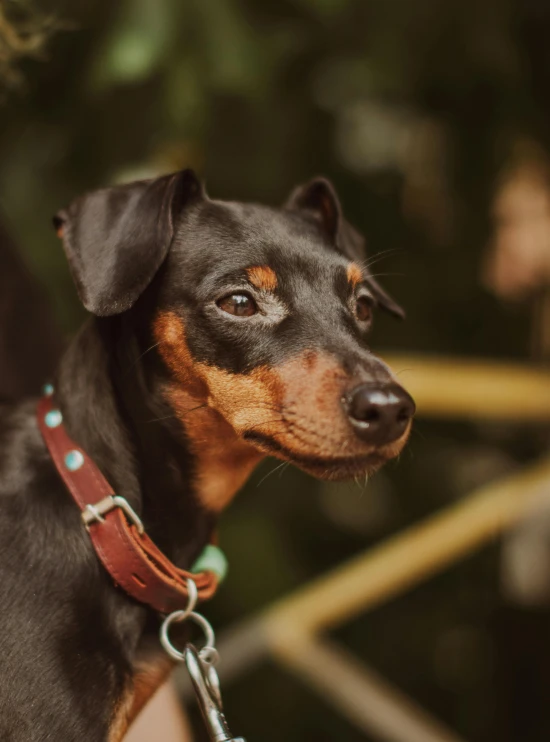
(117, 534)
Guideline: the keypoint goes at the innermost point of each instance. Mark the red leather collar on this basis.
(126, 552)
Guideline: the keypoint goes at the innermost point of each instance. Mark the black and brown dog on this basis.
(222, 332)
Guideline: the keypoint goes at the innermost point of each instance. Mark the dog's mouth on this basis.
(323, 467)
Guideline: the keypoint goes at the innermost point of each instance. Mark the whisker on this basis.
(177, 417)
(385, 275)
(272, 471)
(360, 485)
(266, 422)
(134, 364)
(285, 466)
(379, 256)
(416, 431)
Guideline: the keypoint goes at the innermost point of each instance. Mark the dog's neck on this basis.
(113, 409)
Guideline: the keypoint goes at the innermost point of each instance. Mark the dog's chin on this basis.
(336, 468)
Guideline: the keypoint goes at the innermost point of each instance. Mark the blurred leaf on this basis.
(136, 44)
(24, 32)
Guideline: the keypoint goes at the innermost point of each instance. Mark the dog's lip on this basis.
(344, 463)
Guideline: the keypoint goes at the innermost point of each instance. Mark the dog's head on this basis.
(261, 315)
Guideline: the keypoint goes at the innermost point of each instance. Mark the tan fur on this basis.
(147, 679)
(223, 461)
(298, 403)
(354, 273)
(262, 277)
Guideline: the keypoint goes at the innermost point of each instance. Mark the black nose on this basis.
(380, 413)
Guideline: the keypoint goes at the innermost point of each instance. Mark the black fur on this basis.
(68, 638)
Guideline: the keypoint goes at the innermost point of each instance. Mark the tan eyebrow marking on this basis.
(262, 277)
(354, 273)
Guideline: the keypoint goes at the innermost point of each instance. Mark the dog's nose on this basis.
(380, 414)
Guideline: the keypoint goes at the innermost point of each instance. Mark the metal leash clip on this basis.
(201, 667)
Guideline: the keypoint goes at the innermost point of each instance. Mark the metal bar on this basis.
(474, 389)
(364, 698)
(409, 557)
(387, 570)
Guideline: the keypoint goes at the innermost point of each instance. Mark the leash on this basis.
(138, 566)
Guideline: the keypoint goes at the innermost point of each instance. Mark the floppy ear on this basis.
(117, 238)
(318, 200)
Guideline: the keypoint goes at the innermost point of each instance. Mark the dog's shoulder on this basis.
(58, 604)
(21, 446)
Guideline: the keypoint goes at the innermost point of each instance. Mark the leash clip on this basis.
(205, 682)
(201, 667)
(94, 513)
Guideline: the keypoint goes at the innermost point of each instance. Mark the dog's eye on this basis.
(363, 308)
(240, 305)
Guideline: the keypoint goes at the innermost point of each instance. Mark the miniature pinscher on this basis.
(221, 332)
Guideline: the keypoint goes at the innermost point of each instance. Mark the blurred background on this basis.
(433, 121)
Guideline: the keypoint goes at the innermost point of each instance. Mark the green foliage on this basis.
(135, 45)
(23, 33)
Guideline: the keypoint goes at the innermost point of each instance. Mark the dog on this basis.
(221, 332)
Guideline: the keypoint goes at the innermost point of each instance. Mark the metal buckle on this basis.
(94, 513)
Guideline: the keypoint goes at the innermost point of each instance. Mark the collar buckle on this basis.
(95, 513)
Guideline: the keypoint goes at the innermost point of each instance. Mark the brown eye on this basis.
(239, 305)
(363, 309)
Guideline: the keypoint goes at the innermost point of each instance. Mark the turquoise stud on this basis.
(53, 418)
(74, 460)
(212, 559)
(47, 390)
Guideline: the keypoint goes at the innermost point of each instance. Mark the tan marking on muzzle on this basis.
(298, 404)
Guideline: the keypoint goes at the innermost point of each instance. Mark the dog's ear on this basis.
(319, 201)
(117, 238)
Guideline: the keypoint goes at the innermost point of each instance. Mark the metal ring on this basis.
(177, 617)
(193, 596)
(191, 604)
